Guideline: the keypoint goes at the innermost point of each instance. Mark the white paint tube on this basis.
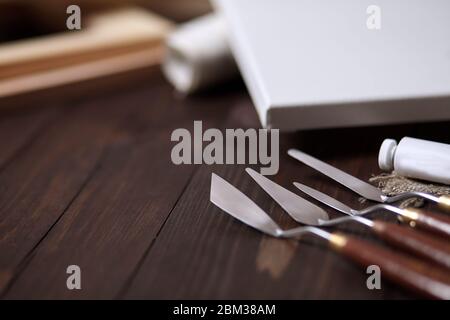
(416, 158)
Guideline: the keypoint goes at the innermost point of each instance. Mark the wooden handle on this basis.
(419, 243)
(411, 273)
(432, 222)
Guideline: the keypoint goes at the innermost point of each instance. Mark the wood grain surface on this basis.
(88, 180)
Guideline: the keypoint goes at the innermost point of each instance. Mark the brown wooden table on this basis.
(88, 181)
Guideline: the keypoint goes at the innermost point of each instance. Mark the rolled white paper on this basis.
(198, 54)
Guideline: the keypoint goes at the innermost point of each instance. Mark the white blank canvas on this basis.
(315, 64)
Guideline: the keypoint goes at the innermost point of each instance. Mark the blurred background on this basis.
(23, 18)
(39, 54)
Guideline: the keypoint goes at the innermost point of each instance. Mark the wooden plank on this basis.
(116, 217)
(113, 42)
(44, 179)
(109, 226)
(68, 94)
(111, 175)
(202, 253)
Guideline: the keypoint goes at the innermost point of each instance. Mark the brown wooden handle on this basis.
(428, 221)
(411, 273)
(419, 243)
